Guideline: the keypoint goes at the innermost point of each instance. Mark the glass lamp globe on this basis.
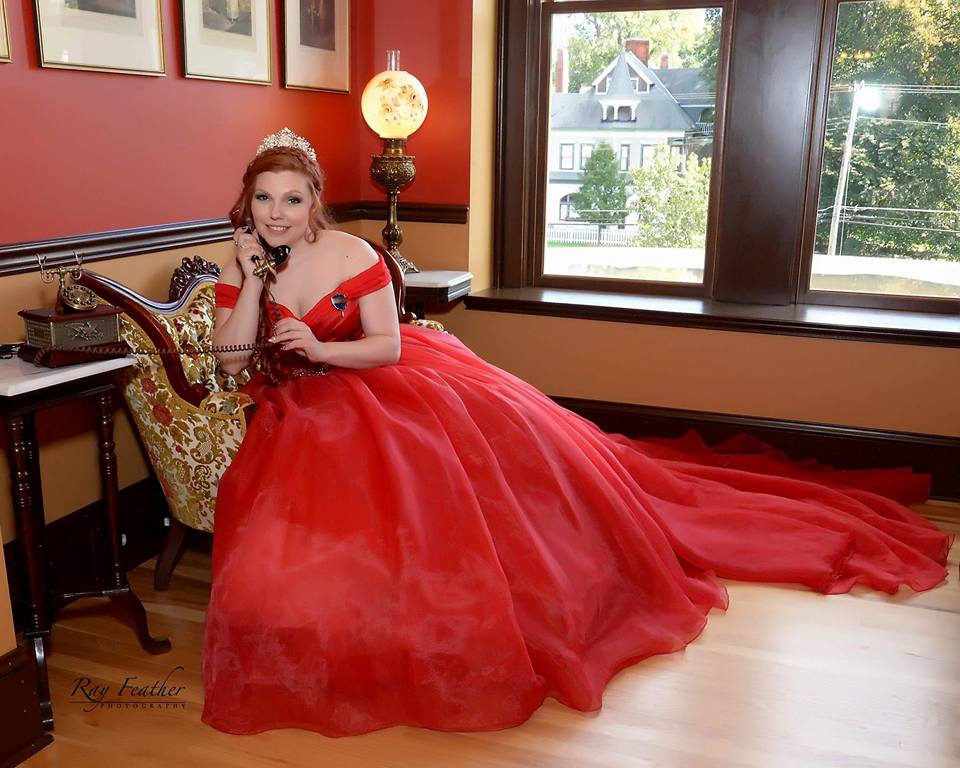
(394, 104)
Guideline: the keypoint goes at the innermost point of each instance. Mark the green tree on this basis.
(602, 197)
(599, 37)
(906, 154)
(704, 50)
(671, 207)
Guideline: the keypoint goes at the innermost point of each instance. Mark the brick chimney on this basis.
(665, 61)
(639, 48)
(560, 72)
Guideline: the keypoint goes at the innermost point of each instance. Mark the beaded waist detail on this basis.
(320, 370)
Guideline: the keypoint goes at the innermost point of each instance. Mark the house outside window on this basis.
(566, 157)
(625, 226)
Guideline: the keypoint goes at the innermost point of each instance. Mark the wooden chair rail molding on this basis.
(16, 258)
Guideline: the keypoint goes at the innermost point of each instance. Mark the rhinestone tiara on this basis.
(286, 138)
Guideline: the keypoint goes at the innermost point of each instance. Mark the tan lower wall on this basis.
(884, 386)
(65, 434)
(68, 449)
(483, 111)
(8, 638)
(429, 246)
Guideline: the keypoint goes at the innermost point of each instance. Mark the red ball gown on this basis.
(438, 544)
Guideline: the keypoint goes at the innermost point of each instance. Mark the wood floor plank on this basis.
(786, 678)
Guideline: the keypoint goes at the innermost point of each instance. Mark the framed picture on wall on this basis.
(316, 45)
(103, 35)
(4, 34)
(227, 40)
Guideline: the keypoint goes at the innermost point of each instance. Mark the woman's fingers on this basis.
(287, 330)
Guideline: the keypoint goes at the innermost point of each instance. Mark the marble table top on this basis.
(18, 376)
(436, 278)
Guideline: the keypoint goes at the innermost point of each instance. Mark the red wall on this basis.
(435, 44)
(91, 151)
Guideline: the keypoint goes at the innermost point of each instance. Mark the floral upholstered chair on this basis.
(189, 414)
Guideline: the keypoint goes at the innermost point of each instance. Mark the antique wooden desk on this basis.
(24, 390)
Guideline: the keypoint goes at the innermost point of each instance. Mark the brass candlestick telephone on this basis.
(76, 329)
(70, 297)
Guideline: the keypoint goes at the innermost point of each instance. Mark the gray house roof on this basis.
(620, 87)
(657, 111)
(672, 103)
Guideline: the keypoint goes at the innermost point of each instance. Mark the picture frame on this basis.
(316, 45)
(121, 36)
(4, 34)
(228, 40)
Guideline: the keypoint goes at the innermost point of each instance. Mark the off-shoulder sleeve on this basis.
(373, 278)
(226, 295)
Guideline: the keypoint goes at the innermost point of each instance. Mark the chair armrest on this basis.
(433, 324)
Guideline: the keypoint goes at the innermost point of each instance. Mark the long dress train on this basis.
(436, 543)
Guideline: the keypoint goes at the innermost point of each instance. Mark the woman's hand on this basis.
(296, 335)
(248, 248)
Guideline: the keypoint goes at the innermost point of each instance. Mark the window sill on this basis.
(821, 321)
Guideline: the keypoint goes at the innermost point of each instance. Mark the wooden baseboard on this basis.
(21, 733)
(77, 546)
(841, 447)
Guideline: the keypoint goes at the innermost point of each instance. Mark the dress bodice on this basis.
(336, 315)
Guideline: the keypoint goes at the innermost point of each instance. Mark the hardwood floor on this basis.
(786, 678)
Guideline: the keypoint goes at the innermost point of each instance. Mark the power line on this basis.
(843, 120)
(915, 210)
(900, 226)
(902, 88)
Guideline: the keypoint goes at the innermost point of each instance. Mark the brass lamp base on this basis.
(394, 170)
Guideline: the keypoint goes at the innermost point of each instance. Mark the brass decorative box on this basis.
(47, 328)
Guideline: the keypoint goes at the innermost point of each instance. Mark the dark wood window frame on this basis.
(763, 204)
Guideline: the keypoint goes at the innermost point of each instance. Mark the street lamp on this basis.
(866, 98)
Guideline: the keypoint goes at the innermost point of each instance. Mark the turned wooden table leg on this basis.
(21, 452)
(119, 590)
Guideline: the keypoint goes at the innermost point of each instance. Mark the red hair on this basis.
(275, 364)
(283, 159)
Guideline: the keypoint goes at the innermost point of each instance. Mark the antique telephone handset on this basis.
(272, 259)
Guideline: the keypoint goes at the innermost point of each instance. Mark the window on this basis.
(649, 226)
(567, 210)
(566, 157)
(888, 216)
(764, 216)
(585, 151)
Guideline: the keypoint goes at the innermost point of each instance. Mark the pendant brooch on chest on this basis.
(339, 302)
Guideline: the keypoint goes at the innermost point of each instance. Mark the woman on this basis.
(409, 535)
